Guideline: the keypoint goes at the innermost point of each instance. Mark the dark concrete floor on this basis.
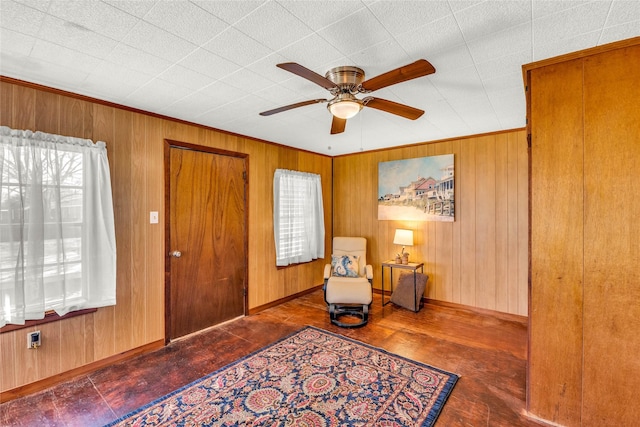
(488, 352)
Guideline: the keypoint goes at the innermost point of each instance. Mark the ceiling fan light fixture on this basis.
(345, 107)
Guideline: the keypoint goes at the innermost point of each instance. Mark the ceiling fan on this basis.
(347, 81)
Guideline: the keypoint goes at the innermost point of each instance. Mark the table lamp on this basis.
(405, 238)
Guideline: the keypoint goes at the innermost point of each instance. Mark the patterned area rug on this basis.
(310, 378)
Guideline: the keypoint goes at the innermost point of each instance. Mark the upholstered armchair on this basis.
(348, 282)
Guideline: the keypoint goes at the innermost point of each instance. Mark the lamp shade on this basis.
(403, 237)
(345, 109)
(344, 106)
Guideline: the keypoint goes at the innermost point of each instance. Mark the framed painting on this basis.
(420, 189)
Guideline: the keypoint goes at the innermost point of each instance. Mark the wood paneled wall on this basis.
(135, 144)
(481, 259)
(585, 256)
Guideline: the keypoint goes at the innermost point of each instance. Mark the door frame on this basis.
(168, 145)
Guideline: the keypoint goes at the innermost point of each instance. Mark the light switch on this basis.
(153, 217)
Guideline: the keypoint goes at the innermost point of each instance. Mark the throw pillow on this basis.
(345, 265)
(403, 293)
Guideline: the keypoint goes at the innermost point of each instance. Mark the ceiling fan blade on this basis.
(338, 125)
(289, 107)
(420, 68)
(306, 73)
(393, 108)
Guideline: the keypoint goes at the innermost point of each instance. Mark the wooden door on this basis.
(207, 248)
(557, 240)
(584, 319)
(611, 314)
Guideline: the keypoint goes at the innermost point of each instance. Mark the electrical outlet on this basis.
(34, 339)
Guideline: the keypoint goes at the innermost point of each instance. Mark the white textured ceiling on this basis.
(214, 62)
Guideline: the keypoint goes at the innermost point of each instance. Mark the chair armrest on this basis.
(369, 270)
(327, 271)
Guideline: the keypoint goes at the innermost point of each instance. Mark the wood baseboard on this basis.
(282, 300)
(497, 314)
(45, 383)
(485, 311)
(37, 386)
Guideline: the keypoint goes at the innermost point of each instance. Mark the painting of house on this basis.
(428, 197)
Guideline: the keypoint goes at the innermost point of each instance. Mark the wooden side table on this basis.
(412, 266)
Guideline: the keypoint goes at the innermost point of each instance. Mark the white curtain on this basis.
(298, 217)
(57, 236)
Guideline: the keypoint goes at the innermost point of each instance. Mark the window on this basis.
(298, 217)
(57, 237)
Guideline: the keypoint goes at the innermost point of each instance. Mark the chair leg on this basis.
(335, 312)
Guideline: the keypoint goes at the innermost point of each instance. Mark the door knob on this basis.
(176, 254)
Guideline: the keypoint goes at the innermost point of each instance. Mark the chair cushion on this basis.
(347, 290)
(403, 293)
(345, 265)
